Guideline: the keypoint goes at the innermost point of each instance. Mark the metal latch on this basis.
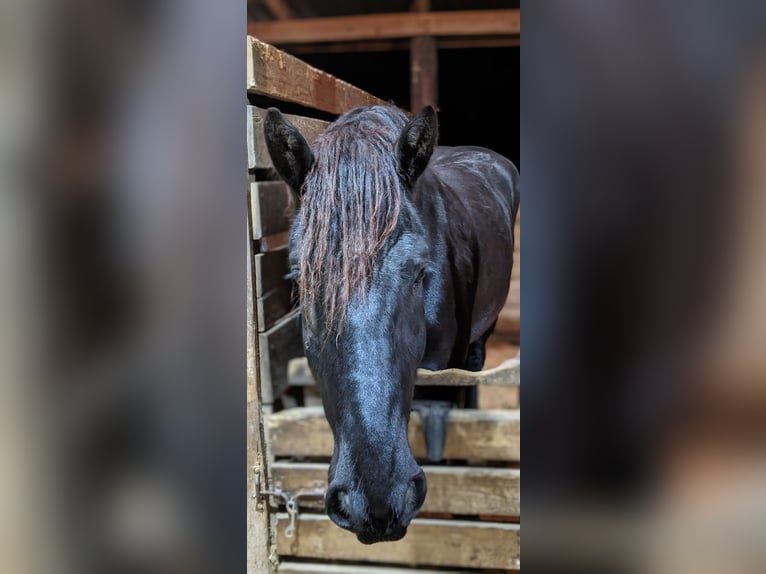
(290, 499)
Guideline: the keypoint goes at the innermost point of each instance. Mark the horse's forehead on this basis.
(405, 246)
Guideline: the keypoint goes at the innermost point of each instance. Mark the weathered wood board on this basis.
(464, 23)
(471, 434)
(457, 490)
(506, 374)
(269, 203)
(288, 567)
(272, 307)
(258, 527)
(428, 542)
(271, 270)
(257, 153)
(276, 74)
(277, 346)
(272, 205)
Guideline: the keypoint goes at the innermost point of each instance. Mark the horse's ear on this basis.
(416, 144)
(289, 151)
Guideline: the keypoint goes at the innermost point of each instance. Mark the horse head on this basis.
(360, 255)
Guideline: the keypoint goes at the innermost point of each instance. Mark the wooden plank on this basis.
(288, 567)
(272, 307)
(271, 270)
(506, 374)
(277, 346)
(471, 434)
(278, 75)
(272, 206)
(455, 43)
(424, 73)
(428, 542)
(257, 153)
(258, 517)
(424, 66)
(457, 490)
(388, 25)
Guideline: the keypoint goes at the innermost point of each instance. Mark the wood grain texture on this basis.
(272, 207)
(271, 270)
(258, 517)
(388, 25)
(403, 44)
(428, 542)
(257, 153)
(273, 73)
(424, 73)
(506, 374)
(471, 434)
(287, 567)
(453, 489)
(277, 346)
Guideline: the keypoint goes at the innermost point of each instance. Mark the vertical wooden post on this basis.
(424, 66)
(260, 558)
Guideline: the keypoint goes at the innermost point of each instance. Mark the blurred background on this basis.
(122, 243)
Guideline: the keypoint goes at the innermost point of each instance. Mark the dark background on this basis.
(478, 91)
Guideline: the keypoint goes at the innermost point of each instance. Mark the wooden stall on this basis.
(471, 516)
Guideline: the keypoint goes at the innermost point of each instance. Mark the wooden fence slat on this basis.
(258, 515)
(288, 567)
(257, 153)
(271, 270)
(471, 434)
(272, 307)
(506, 374)
(453, 489)
(277, 346)
(271, 206)
(276, 74)
(428, 542)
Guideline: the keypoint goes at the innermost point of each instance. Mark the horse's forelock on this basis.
(352, 198)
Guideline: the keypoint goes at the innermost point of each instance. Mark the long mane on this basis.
(351, 202)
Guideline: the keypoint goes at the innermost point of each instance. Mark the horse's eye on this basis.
(420, 276)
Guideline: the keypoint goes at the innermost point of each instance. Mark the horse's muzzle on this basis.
(376, 519)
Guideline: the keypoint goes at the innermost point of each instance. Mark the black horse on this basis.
(402, 253)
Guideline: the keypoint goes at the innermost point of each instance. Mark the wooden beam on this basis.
(471, 434)
(258, 533)
(507, 373)
(424, 73)
(288, 567)
(390, 25)
(278, 75)
(457, 490)
(428, 542)
(402, 45)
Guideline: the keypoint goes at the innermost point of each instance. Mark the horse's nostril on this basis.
(416, 495)
(338, 507)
